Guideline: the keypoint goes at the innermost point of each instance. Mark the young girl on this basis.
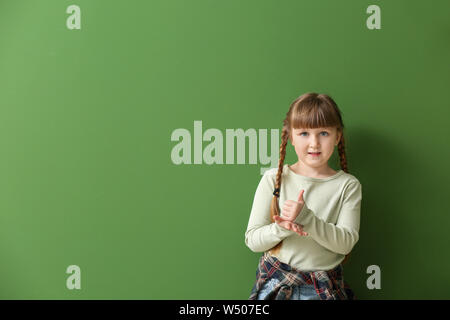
(305, 246)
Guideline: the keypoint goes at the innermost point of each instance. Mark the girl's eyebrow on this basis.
(321, 129)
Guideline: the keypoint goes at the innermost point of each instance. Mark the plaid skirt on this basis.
(329, 285)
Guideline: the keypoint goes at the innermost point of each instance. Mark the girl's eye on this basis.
(326, 133)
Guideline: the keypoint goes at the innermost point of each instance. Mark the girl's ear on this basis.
(339, 135)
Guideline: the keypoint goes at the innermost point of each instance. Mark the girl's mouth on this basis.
(316, 154)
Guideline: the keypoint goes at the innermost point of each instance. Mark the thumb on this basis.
(300, 196)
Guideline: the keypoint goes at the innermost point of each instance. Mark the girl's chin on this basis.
(314, 162)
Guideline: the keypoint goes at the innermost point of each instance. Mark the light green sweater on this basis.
(330, 216)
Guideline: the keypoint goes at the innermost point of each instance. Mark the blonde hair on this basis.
(310, 110)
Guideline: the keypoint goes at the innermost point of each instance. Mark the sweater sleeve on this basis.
(339, 238)
(262, 234)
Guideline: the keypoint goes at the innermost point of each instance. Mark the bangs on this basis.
(314, 114)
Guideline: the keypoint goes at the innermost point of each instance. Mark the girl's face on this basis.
(308, 141)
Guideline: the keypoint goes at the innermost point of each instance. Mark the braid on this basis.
(342, 157)
(274, 211)
(284, 141)
(343, 161)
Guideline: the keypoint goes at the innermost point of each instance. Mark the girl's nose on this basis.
(314, 143)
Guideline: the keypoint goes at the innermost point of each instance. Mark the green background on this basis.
(86, 118)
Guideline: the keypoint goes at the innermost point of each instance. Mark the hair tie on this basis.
(276, 192)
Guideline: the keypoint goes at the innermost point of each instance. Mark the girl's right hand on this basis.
(289, 225)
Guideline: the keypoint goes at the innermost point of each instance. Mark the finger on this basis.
(300, 196)
(300, 227)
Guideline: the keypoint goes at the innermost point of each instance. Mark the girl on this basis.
(305, 246)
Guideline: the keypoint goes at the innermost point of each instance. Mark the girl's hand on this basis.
(292, 208)
(290, 225)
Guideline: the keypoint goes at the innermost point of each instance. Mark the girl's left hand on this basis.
(298, 228)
